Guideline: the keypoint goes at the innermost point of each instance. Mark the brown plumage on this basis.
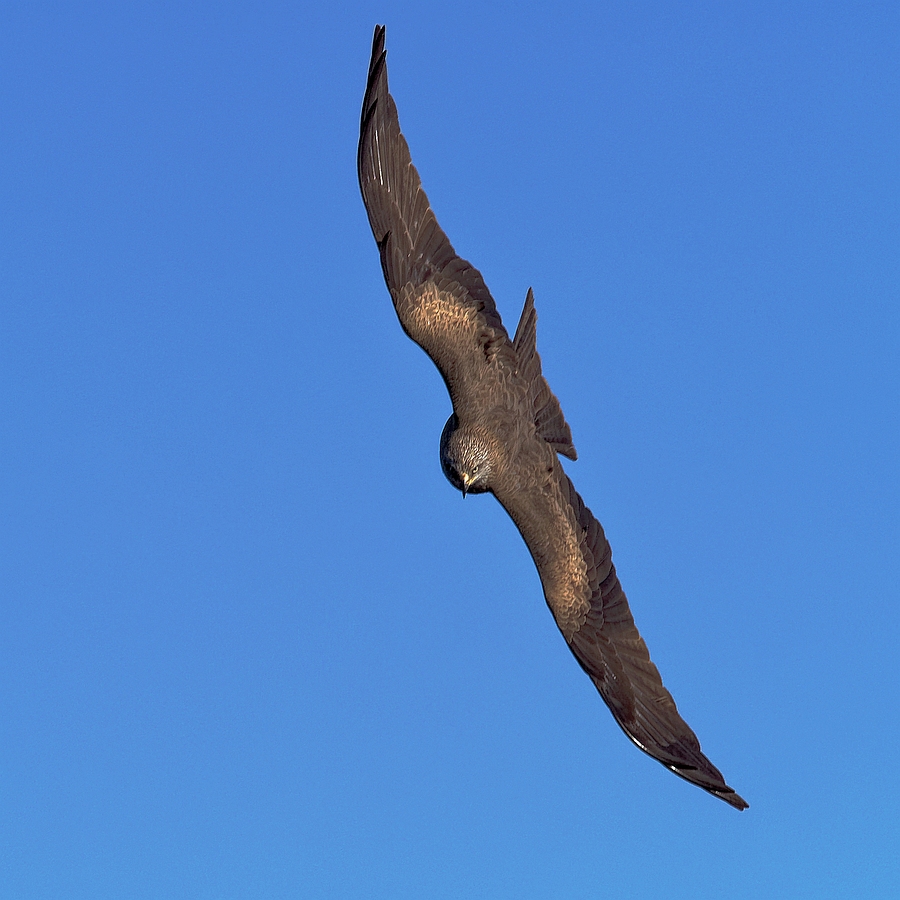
(504, 435)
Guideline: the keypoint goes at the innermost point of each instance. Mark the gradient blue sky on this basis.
(253, 645)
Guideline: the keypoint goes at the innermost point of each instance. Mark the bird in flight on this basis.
(506, 433)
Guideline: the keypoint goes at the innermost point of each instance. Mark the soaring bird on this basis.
(506, 433)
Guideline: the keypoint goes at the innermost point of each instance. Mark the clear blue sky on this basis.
(253, 645)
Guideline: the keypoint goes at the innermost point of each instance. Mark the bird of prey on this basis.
(505, 435)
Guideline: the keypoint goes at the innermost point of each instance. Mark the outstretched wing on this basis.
(441, 300)
(583, 592)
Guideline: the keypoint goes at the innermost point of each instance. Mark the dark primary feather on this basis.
(497, 387)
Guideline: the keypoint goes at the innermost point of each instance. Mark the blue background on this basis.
(252, 643)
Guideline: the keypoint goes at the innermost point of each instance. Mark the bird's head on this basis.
(466, 457)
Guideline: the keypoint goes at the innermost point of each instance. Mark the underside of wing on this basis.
(420, 266)
(582, 589)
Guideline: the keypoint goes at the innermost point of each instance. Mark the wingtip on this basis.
(377, 64)
(733, 799)
(378, 51)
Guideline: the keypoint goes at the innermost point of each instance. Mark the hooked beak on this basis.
(467, 481)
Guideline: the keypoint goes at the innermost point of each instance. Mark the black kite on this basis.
(504, 435)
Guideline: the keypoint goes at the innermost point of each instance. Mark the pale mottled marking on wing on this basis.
(556, 541)
(570, 598)
(432, 311)
(456, 337)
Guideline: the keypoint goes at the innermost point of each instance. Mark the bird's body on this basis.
(505, 436)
